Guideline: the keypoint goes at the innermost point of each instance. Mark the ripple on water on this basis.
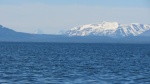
(60, 63)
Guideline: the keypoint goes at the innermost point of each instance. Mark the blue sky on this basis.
(110, 3)
(52, 16)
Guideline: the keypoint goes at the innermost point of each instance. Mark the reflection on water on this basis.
(60, 63)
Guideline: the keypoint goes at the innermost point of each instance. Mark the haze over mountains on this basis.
(105, 32)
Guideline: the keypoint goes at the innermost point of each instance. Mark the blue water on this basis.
(74, 63)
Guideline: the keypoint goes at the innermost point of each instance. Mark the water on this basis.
(73, 63)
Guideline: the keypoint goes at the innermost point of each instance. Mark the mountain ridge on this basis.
(110, 29)
(9, 35)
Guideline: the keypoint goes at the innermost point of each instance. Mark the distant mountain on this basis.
(5, 31)
(9, 35)
(146, 33)
(38, 31)
(110, 29)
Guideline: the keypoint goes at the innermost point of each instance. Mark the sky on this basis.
(57, 16)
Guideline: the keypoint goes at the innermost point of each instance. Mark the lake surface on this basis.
(74, 63)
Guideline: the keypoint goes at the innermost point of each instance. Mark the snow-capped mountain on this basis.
(9, 35)
(38, 31)
(111, 29)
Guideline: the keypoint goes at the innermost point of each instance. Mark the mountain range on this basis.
(105, 32)
(110, 29)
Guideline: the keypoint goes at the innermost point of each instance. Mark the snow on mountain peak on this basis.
(109, 25)
(111, 29)
(38, 31)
